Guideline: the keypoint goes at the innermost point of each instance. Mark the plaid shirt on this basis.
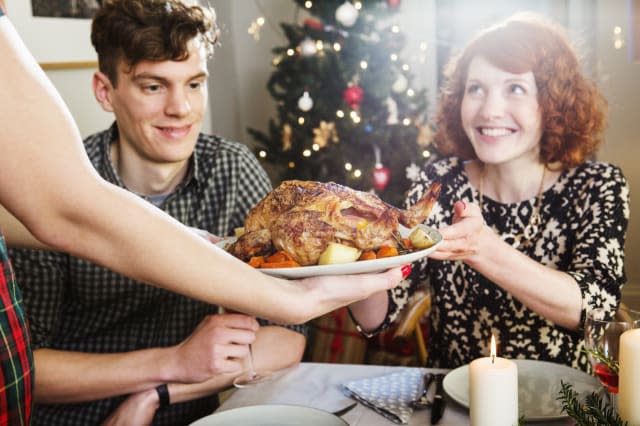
(16, 361)
(74, 305)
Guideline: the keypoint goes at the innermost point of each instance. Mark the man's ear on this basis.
(102, 90)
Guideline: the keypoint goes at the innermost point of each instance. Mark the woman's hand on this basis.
(461, 239)
(329, 292)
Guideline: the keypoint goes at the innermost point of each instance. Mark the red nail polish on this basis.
(406, 270)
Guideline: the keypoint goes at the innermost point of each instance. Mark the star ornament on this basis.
(325, 132)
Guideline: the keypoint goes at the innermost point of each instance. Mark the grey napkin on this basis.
(388, 395)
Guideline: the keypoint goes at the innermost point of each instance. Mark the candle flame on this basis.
(493, 348)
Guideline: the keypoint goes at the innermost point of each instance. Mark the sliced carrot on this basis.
(279, 256)
(407, 243)
(367, 255)
(283, 264)
(387, 251)
(256, 261)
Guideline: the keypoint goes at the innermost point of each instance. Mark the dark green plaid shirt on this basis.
(74, 305)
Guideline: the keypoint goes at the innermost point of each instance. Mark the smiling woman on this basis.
(518, 259)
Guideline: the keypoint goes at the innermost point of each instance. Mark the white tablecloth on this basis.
(318, 385)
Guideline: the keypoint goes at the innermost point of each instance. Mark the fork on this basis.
(422, 401)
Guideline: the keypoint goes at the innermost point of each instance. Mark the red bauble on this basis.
(353, 96)
(393, 3)
(381, 177)
(314, 24)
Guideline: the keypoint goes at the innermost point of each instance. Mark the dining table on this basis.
(320, 386)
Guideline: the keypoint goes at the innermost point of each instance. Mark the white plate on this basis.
(359, 267)
(538, 387)
(271, 415)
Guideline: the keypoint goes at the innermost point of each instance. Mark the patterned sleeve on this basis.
(598, 258)
(42, 276)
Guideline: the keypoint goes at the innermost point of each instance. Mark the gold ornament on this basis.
(325, 132)
(286, 137)
(425, 135)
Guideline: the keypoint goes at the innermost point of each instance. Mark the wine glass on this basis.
(251, 377)
(602, 342)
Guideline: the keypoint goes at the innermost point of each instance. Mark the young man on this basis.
(106, 345)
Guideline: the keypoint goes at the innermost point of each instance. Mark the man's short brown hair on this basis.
(133, 31)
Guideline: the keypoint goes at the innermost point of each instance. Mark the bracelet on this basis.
(163, 395)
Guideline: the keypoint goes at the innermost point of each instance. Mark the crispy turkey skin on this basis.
(303, 217)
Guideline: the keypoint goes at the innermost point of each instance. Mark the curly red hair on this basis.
(573, 108)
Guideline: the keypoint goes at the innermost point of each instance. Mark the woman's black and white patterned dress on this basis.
(584, 221)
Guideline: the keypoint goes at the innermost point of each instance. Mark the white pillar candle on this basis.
(493, 391)
(629, 377)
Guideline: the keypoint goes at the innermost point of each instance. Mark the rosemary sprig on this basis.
(600, 356)
(402, 248)
(594, 411)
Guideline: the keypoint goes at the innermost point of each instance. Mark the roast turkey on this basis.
(303, 217)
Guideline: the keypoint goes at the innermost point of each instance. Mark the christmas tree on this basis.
(346, 108)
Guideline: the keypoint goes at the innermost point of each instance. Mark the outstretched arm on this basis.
(48, 183)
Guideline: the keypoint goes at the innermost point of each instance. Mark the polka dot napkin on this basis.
(389, 395)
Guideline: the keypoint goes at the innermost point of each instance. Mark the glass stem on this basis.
(252, 369)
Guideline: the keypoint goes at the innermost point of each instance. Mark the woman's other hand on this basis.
(461, 239)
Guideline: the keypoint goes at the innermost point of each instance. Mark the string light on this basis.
(348, 166)
(291, 52)
(395, 29)
(308, 4)
(393, 57)
(405, 67)
(255, 27)
(292, 165)
(426, 154)
(340, 113)
(319, 45)
(306, 153)
(618, 39)
(357, 5)
(263, 154)
(410, 93)
(315, 147)
(363, 65)
(337, 47)
(301, 120)
(357, 173)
